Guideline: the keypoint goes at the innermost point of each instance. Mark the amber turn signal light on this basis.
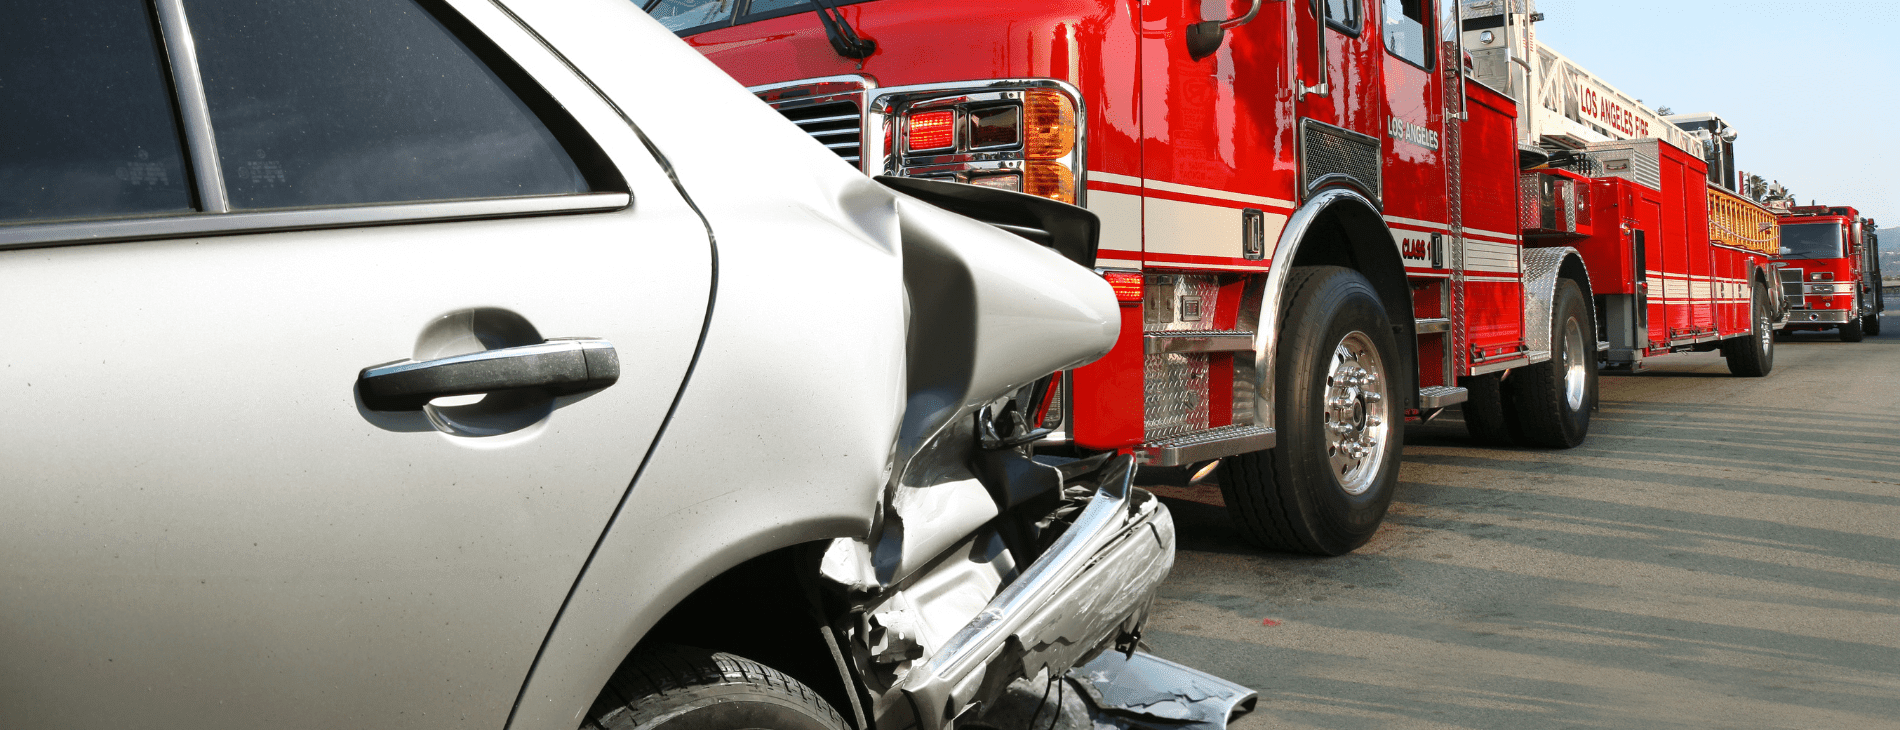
(1048, 125)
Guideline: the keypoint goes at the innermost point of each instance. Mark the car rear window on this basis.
(334, 102)
(87, 127)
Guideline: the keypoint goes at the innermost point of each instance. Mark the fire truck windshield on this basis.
(1812, 240)
(692, 16)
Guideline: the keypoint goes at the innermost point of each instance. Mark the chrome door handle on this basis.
(557, 367)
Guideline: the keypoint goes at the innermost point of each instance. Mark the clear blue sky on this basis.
(1813, 88)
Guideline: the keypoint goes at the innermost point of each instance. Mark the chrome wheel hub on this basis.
(1358, 418)
(1576, 379)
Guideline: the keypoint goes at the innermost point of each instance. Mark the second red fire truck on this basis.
(1830, 271)
(1325, 218)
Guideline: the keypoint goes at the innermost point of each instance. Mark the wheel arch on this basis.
(1542, 269)
(1343, 228)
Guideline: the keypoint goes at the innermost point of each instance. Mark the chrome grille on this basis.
(1791, 288)
(830, 109)
(1327, 151)
(838, 125)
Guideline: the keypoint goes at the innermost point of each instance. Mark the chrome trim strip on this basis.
(1492, 367)
(106, 231)
(1205, 445)
(1161, 343)
(193, 108)
(1430, 325)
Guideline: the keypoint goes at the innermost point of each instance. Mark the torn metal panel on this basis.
(1146, 691)
(1093, 585)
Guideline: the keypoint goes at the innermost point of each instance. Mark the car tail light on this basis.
(932, 131)
(1048, 125)
(1127, 285)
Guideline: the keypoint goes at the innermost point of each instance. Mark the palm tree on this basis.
(1755, 188)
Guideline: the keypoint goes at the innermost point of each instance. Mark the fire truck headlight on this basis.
(1024, 135)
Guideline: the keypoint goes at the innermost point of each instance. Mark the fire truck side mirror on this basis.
(1205, 37)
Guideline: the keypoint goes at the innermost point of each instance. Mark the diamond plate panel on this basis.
(1636, 160)
(1540, 289)
(1175, 394)
(1181, 302)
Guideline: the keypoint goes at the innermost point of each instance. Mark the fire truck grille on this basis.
(1791, 287)
(837, 125)
(1328, 153)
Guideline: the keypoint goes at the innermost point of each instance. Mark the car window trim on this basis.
(67, 233)
(194, 108)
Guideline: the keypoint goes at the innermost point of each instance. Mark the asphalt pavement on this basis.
(1720, 553)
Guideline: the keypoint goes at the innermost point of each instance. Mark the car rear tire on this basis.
(1553, 398)
(1753, 356)
(684, 688)
(1851, 331)
(1326, 486)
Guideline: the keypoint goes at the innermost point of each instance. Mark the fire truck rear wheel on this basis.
(1851, 331)
(1326, 486)
(1489, 418)
(1552, 399)
(1753, 356)
(1870, 324)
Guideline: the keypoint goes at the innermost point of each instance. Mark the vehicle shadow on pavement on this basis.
(1691, 565)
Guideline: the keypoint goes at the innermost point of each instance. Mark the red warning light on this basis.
(932, 131)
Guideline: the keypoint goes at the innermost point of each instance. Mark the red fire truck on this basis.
(1324, 217)
(1830, 271)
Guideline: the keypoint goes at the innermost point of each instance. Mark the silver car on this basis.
(501, 363)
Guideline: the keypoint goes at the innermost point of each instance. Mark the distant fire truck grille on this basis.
(838, 125)
(1327, 151)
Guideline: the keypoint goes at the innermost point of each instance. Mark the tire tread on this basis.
(662, 672)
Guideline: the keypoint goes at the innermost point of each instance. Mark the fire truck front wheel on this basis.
(1851, 331)
(1553, 398)
(1753, 356)
(1326, 486)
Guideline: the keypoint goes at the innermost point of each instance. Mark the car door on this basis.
(214, 216)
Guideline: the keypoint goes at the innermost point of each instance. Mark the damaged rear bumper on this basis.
(1094, 584)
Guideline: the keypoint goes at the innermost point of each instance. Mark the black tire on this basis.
(1291, 498)
(1851, 331)
(1870, 324)
(1552, 399)
(1753, 356)
(1489, 419)
(683, 688)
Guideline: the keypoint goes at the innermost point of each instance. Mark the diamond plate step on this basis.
(1439, 396)
(1161, 343)
(1210, 444)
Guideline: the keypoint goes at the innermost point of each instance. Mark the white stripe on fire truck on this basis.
(1183, 229)
(1169, 187)
(1121, 221)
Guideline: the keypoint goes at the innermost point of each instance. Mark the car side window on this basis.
(1405, 32)
(88, 128)
(349, 102)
